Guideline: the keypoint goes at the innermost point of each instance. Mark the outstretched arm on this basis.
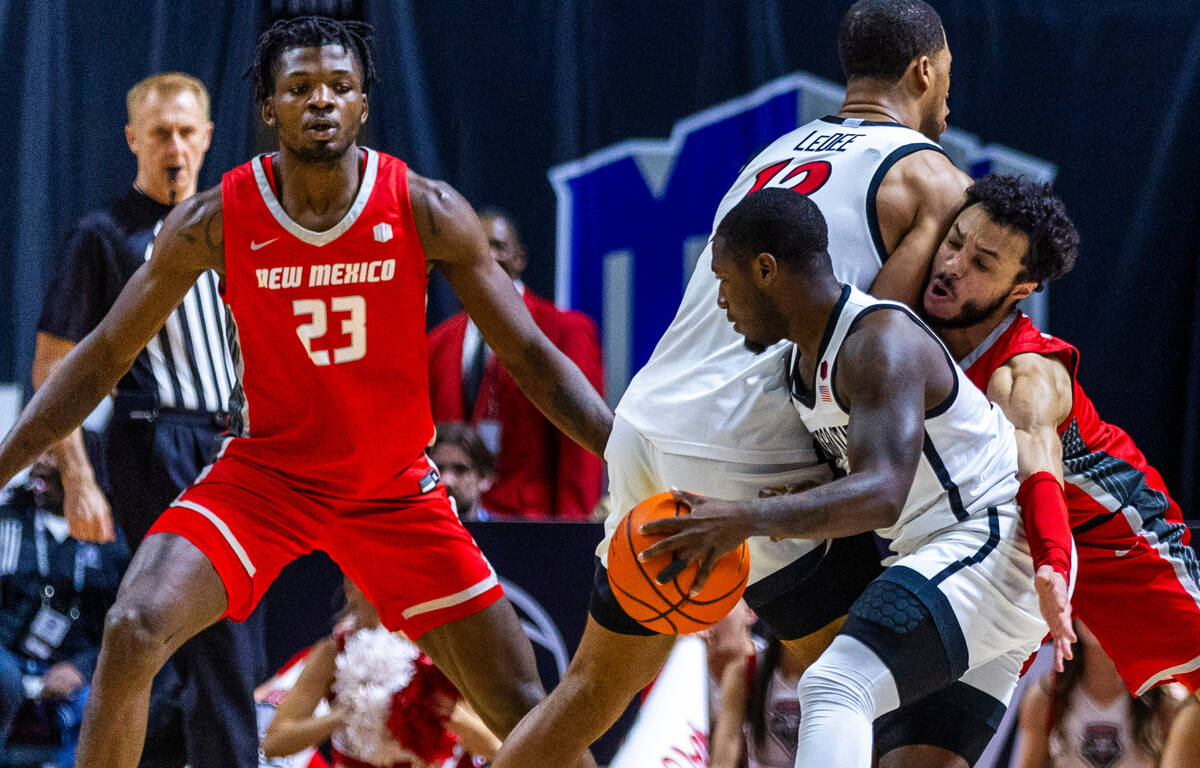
(916, 204)
(1034, 391)
(889, 373)
(189, 243)
(454, 239)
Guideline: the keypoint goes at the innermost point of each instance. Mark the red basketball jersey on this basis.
(1103, 470)
(327, 334)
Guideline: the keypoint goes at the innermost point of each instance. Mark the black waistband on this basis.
(135, 406)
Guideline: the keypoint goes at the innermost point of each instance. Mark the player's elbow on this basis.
(886, 503)
(887, 512)
(533, 364)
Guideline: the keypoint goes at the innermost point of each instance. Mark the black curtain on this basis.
(65, 66)
(489, 95)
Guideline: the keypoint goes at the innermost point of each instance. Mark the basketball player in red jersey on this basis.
(1137, 582)
(323, 249)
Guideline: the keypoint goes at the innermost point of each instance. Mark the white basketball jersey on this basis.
(969, 462)
(702, 393)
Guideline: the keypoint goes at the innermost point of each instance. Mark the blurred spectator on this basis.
(1183, 742)
(729, 649)
(54, 592)
(390, 705)
(540, 471)
(1085, 717)
(757, 721)
(168, 413)
(466, 465)
(267, 697)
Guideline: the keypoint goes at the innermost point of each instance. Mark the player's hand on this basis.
(713, 528)
(60, 681)
(87, 510)
(1056, 610)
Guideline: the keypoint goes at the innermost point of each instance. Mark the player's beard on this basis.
(757, 347)
(324, 153)
(770, 316)
(970, 314)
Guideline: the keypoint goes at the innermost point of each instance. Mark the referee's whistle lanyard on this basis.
(43, 563)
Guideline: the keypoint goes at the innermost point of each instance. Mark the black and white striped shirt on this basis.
(186, 365)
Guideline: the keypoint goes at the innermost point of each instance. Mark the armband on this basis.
(1044, 510)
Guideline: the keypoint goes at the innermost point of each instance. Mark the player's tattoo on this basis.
(204, 219)
(433, 227)
(195, 214)
(214, 230)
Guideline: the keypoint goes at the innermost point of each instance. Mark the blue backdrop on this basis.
(490, 95)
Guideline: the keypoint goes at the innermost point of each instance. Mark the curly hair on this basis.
(310, 32)
(880, 38)
(1035, 210)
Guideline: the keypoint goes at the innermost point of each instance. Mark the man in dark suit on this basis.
(540, 471)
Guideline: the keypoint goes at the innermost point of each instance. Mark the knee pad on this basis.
(910, 625)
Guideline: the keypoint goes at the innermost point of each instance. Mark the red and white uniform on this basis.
(1138, 583)
(330, 416)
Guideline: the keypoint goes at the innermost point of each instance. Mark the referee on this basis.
(169, 411)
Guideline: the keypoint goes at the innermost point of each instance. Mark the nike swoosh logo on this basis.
(255, 246)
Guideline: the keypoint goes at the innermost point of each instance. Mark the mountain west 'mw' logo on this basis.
(633, 218)
(383, 232)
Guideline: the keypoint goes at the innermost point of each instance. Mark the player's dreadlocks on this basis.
(310, 32)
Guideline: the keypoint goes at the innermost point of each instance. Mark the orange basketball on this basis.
(667, 608)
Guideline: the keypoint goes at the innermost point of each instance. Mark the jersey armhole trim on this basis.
(894, 157)
(808, 397)
(931, 413)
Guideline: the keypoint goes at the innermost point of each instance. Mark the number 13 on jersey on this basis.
(354, 326)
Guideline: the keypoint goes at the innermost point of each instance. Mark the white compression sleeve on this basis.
(841, 694)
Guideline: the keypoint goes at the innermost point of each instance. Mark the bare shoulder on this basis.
(446, 223)
(1030, 385)
(888, 342)
(918, 198)
(1032, 367)
(193, 235)
(928, 178)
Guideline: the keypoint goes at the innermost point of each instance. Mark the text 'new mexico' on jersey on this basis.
(327, 334)
(969, 460)
(1103, 470)
(702, 393)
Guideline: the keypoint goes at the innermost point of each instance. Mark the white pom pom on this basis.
(374, 665)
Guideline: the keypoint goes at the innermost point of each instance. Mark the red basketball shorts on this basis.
(1138, 590)
(409, 554)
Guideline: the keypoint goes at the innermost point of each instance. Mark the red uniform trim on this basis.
(1138, 583)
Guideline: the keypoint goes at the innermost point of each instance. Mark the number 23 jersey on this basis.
(327, 333)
